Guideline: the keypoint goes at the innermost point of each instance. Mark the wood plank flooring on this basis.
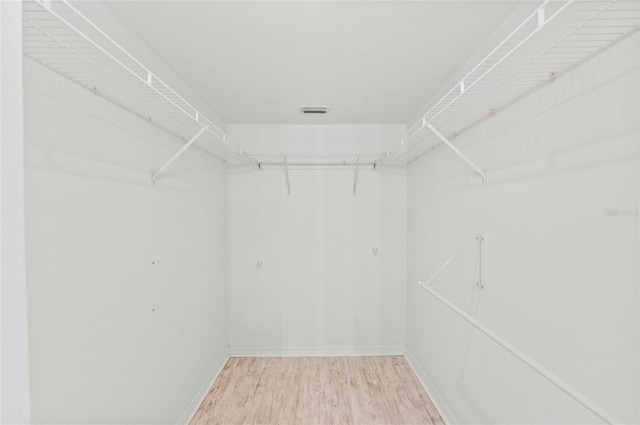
(317, 390)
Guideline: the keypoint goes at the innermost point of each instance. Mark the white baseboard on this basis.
(434, 395)
(191, 410)
(314, 351)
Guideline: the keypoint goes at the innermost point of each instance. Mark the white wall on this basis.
(561, 276)
(320, 290)
(126, 280)
(14, 364)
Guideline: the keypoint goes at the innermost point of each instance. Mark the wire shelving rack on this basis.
(555, 38)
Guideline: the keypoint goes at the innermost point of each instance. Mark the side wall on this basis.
(320, 289)
(560, 266)
(126, 279)
(14, 353)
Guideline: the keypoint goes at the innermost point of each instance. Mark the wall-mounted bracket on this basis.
(458, 152)
(479, 285)
(541, 17)
(177, 154)
(286, 173)
(480, 240)
(355, 178)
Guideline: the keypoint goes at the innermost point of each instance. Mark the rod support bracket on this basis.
(458, 152)
(478, 238)
(177, 154)
(286, 174)
(355, 177)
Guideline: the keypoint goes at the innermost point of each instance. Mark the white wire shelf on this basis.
(554, 39)
(60, 37)
(307, 159)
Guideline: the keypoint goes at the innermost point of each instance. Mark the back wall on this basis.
(320, 289)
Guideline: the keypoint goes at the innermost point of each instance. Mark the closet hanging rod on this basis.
(519, 354)
(292, 166)
(301, 159)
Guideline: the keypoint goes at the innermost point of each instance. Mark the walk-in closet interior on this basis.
(320, 212)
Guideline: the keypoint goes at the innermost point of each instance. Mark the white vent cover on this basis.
(314, 110)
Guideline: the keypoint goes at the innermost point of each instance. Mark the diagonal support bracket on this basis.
(177, 154)
(458, 152)
(479, 284)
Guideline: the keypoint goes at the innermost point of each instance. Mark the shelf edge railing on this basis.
(147, 78)
(464, 86)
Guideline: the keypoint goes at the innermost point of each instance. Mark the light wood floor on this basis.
(317, 390)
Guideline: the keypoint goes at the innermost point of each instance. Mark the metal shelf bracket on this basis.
(286, 173)
(458, 152)
(479, 285)
(177, 154)
(355, 178)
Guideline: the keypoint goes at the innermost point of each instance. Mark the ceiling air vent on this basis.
(314, 110)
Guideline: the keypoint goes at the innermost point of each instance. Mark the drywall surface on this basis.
(320, 288)
(126, 279)
(560, 259)
(14, 365)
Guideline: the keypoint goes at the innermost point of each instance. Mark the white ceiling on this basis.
(255, 62)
